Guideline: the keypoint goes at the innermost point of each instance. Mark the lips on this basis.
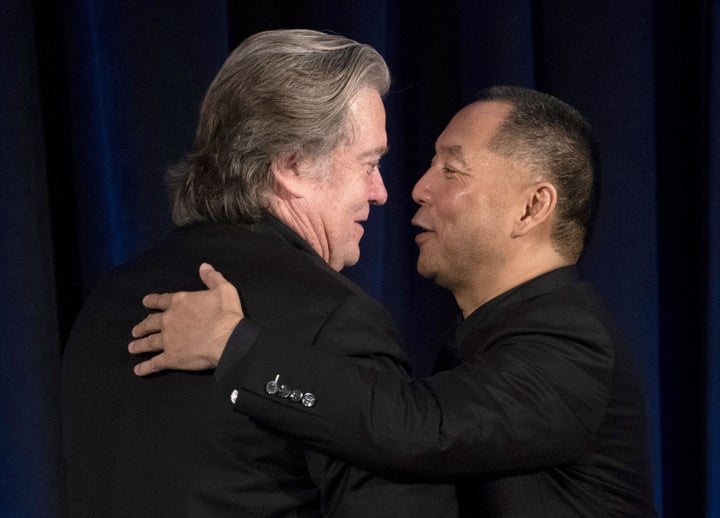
(361, 225)
(425, 232)
(421, 223)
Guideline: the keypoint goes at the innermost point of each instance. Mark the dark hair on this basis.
(279, 93)
(556, 142)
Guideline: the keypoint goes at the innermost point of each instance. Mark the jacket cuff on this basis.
(238, 345)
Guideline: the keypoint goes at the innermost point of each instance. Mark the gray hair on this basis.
(279, 93)
(556, 142)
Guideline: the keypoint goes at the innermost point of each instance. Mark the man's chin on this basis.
(350, 260)
(424, 270)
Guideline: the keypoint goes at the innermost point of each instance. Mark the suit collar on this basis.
(546, 283)
(271, 226)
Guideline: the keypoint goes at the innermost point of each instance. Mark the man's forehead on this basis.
(472, 128)
(455, 151)
(373, 153)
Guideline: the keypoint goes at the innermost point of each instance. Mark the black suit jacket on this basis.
(169, 445)
(541, 416)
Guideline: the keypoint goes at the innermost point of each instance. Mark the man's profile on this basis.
(282, 174)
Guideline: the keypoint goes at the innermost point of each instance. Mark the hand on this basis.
(192, 329)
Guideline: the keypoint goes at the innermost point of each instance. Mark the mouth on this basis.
(361, 225)
(424, 232)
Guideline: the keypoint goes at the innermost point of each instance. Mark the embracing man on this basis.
(282, 175)
(536, 410)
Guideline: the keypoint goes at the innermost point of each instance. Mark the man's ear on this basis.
(540, 203)
(288, 179)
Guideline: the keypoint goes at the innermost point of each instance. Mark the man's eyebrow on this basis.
(456, 152)
(379, 152)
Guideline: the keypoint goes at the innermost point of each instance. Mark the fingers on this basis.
(210, 276)
(149, 344)
(157, 300)
(151, 324)
(191, 329)
(154, 364)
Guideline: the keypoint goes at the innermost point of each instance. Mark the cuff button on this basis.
(284, 391)
(271, 387)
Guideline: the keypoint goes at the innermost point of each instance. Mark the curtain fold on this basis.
(100, 97)
(713, 237)
(682, 51)
(30, 460)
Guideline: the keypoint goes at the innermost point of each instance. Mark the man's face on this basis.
(468, 200)
(341, 201)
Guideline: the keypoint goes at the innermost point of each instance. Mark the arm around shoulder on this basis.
(497, 412)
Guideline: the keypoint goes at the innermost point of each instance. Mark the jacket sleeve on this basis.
(528, 401)
(351, 492)
(362, 332)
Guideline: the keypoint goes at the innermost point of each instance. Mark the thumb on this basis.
(210, 276)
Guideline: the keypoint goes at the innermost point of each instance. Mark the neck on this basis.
(295, 214)
(490, 283)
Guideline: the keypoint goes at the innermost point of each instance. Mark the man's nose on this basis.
(421, 191)
(378, 193)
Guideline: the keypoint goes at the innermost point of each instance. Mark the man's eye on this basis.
(373, 166)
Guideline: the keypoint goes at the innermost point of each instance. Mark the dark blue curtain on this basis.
(98, 97)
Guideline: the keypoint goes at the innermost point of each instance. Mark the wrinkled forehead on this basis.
(365, 125)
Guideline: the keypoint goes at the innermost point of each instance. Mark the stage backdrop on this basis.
(98, 97)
